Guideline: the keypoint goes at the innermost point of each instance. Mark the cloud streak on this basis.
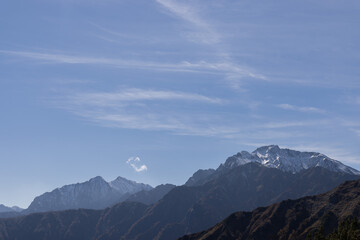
(155, 110)
(136, 94)
(286, 106)
(134, 162)
(142, 109)
(288, 124)
(231, 70)
(203, 33)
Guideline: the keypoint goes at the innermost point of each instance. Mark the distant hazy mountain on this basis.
(125, 186)
(6, 212)
(272, 156)
(93, 194)
(290, 219)
(17, 209)
(4, 208)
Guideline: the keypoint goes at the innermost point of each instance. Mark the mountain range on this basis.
(93, 194)
(243, 182)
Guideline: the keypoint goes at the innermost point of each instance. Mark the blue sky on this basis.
(153, 90)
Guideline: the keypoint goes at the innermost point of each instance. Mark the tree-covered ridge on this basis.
(347, 230)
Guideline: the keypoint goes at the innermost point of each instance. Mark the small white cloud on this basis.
(134, 162)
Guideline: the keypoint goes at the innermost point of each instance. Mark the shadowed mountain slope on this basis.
(190, 209)
(151, 196)
(110, 223)
(290, 219)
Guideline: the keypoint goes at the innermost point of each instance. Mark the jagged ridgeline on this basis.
(244, 182)
(93, 194)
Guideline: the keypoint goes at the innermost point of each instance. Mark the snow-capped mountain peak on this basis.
(287, 160)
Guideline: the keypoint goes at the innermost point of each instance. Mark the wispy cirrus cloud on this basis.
(160, 110)
(72, 59)
(289, 124)
(113, 36)
(135, 163)
(203, 31)
(287, 106)
(227, 68)
(141, 109)
(136, 94)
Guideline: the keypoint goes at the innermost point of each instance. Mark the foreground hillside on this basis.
(290, 219)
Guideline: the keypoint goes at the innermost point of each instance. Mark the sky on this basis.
(153, 90)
